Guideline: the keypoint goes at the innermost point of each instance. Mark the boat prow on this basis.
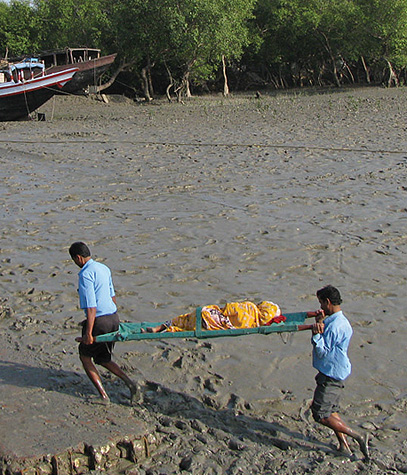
(24, 89)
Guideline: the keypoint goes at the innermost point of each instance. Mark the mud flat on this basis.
(210, 201)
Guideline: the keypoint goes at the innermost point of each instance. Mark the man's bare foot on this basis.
(364, 445)
(100, 401)
(157, 329)
(136, 396)
(345, 450)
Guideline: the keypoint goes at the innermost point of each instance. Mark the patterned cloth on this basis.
(233, 315)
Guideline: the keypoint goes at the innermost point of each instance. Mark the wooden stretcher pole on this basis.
(317, 314)
(314, 314)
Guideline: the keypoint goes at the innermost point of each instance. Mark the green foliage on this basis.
(384, 29)
(188, 36)
(293, 41)
(69, 22)
(17, 32)
(210, 29)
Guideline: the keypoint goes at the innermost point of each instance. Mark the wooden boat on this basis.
(90, 66)
(25, 86)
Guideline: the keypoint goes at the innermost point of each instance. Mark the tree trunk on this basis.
(144, 84)
(113, 78)
(188, 89)
(150, 80)
(178, 92)
(225, 77)
(186, 85)
(347, 68)
(335, 72)
(183, 89)
(365, 69)
(393, 78)
(168, 93)
(170, 83)
(321, 72)
(332, 56)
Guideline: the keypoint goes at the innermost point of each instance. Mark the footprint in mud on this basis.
(209, 385)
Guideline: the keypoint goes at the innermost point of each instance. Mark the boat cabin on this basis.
(21, 71)
(69, 56)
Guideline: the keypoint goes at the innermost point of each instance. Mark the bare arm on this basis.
(88, 339)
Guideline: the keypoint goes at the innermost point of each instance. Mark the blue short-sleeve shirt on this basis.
(96, 288)
(330, 349)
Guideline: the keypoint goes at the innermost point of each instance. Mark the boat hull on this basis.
(18, 100)
(89, 73)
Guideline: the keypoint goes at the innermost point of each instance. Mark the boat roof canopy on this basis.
(25, 64)
(29, 63)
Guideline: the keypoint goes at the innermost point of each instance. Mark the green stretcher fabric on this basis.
(132, 331)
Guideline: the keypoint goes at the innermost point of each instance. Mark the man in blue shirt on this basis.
(97, 299)
(331, 337)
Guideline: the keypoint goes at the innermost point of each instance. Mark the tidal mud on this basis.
(210, 201)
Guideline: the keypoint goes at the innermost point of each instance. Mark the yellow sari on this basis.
(233, 315)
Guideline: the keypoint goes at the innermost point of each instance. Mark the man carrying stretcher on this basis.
(331, 334)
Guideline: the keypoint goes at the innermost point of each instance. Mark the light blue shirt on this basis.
(330, 349)
(96, 288)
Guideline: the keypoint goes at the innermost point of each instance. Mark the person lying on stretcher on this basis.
(233, 315)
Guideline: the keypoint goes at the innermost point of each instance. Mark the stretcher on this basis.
(133, 331)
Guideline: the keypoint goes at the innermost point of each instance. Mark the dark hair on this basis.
(79, 249)
(330, 292)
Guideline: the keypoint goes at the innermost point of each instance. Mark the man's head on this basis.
(80, 253)
(330, 299)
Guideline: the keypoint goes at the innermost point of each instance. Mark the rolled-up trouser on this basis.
(326, 396)
(100, 352)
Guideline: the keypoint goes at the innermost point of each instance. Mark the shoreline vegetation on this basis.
(209, 201)
(176, 48)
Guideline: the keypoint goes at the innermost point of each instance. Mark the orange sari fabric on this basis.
(233, 315)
